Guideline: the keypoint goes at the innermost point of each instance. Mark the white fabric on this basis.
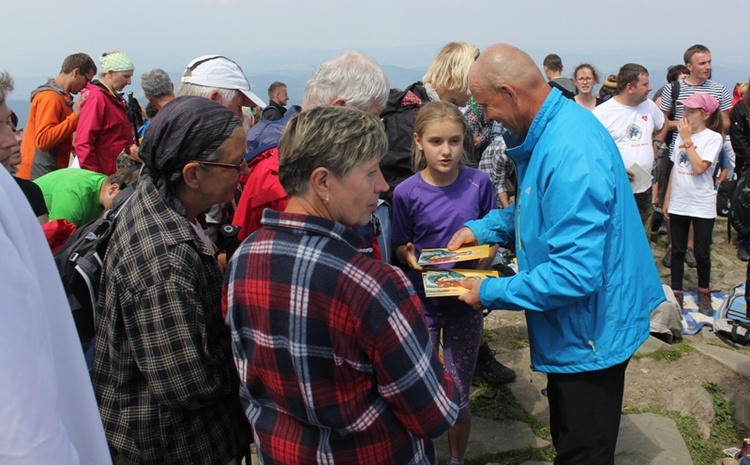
(694, 195)
(48, 413)
(220, 72)
(203, 236)
(632, 129)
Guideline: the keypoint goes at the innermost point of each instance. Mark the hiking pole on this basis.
(135, 115)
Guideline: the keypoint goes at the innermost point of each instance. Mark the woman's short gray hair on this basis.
(6, 85)
(354, 77)
(332, 137)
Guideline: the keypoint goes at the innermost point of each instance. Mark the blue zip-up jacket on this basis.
(587, 278)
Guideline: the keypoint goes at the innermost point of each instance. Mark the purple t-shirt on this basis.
(428, 216)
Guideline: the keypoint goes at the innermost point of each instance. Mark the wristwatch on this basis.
(660, 144)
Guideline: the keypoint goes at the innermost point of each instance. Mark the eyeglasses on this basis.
(85, 77)
(238, 167)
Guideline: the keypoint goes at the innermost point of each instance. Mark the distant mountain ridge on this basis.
(404, 65)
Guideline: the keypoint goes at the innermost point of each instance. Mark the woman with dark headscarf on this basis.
(163, 370)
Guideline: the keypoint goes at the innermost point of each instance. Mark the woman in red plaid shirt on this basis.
(335, 360)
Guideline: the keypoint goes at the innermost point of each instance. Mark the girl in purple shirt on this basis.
(428, 208)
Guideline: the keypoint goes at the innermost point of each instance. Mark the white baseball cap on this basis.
(221, 72)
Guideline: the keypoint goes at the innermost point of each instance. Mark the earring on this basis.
(326, 200)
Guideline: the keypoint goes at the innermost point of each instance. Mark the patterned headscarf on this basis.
(185, 129)
(115, 61)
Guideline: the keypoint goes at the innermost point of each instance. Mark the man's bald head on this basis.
(509, 86)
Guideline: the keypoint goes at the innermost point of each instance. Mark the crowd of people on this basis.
(313, 337)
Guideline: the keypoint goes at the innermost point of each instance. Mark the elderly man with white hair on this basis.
(220, 79)
(353, 80)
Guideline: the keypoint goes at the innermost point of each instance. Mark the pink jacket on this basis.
(104, 130)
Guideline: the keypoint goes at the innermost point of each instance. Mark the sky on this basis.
(299, 34)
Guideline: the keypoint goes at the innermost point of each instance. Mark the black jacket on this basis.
(273, 111)
(739, 133)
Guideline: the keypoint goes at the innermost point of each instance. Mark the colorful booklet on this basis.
(437, 256)
(443, 283)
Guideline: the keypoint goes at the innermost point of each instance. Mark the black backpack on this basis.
(79, 262)
(739, 213)
(398, 121)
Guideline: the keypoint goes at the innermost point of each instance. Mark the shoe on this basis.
(690, 258)
(491, 371)
(704, 301)
(679, 298)
(667, 259)
(742, 253)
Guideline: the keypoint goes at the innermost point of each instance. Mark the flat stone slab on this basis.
(527, 388)
(492, 437)
(648, 438)
(732, 359)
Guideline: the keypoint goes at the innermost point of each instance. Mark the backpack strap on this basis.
(743, 339)
(675, 95)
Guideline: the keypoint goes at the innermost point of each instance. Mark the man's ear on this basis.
(113, 189)
(338, 102)
(508, 92)
(214, 96)
(190, 175)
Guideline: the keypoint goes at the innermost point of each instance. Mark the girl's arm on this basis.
(665, 207)
(407, 254)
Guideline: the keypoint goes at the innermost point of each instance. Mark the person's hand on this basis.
(463, 236)
(631, 175)
(683, 127)
(134, 154)
(477, 141)
(410, 254)
(664, 208)
(472, 297)
(78, 103)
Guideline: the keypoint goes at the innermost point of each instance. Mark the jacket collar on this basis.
(315, 225)
(519, 147)
(175, 228)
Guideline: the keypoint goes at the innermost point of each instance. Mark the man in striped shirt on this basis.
(698, 60)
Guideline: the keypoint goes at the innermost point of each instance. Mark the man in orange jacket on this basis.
(53, 118)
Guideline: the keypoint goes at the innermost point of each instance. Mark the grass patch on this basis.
(724, 431)
(498, 403)
(514, 457)
(679, 349)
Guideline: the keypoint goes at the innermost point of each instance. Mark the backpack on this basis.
(398, 117)
(732, 325)
(724, 196)
(739, 213)
(79, 262)
(672, 112)
(266, 133)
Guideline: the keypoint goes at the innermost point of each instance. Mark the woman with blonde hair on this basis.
(447, 79)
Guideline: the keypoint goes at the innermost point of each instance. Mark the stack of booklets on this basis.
(447, 282)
